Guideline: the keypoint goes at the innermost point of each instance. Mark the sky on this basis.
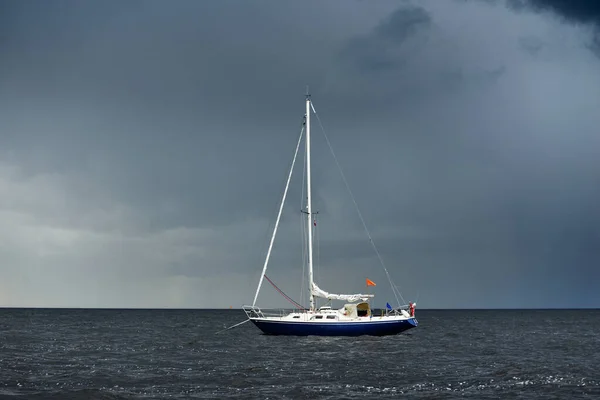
(144, 147)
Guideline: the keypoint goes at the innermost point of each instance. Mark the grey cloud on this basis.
(573, 10)
(519, 170)
(144, 149)
(531, 44)
(381, 49)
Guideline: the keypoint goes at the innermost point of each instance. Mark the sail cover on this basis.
(317, 291)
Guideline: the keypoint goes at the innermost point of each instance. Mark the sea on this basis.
(180, 354)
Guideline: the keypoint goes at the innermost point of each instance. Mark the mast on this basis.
(309, 205)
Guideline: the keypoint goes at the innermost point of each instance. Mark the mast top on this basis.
(307, 93)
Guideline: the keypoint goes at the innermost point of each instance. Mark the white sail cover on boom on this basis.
(317, 291)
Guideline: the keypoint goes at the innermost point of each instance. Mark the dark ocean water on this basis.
(125, 354)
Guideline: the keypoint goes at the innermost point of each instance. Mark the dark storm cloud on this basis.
(145, 145)
(571, 11)
(378, 50)
(151, 107)
(508, 181)
(531, 44)
(579, 11)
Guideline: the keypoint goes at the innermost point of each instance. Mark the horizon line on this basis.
(283, 308)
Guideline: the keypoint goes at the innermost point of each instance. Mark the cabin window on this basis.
(362, 313)
(296, 316)
(318, 316)
(331, 317)
(362, 310)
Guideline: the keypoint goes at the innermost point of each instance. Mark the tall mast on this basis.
(309, 205)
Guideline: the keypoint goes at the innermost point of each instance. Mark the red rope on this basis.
(288, 298)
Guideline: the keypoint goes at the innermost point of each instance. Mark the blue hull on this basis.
(373, 328)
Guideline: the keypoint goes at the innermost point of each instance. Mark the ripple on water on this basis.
(114, 354)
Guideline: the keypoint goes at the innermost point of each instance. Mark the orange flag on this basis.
(370, 282)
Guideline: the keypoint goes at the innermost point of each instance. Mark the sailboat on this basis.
(355, 317)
